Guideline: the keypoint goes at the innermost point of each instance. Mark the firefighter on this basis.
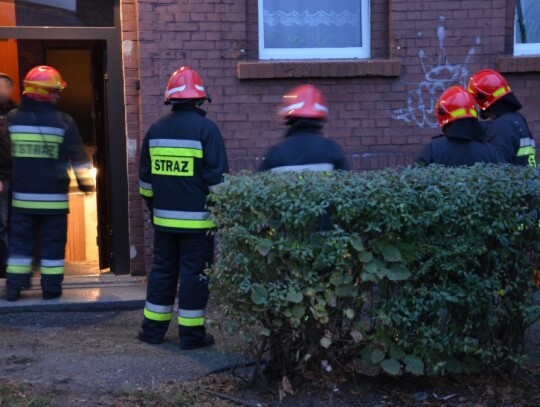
(508, 130)
(45, 144)
(182, 158)
(6, 105)
(305, 147)
(463, 141)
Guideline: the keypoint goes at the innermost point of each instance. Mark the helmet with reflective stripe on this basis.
(41, 82)
(304, 101)
(454, 104)
(184, 84)
(487, 86)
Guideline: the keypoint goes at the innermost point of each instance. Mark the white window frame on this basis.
(524, 49)
(363, 52)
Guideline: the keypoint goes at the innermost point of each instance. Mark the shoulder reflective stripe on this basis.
(191, 313)
(39, 197)
(164, 142)
(159, 308)
(39, 204)
(20, 261)
(52, 270)
(306, 167)
(190, 321)
(15, 137)
(183, 224)
(156, 316)
(525, 142)
(52, 263)
(175, 152)
(526, 151)
(19, 269)
(37, 129)
(162, 213)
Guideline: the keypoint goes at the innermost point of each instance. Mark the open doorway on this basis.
(82, 65)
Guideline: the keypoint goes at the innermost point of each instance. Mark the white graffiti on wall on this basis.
(421, 101)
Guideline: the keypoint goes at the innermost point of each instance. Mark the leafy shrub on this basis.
(420, 270)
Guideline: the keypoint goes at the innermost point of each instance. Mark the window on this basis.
(527, 27)
(59, 13)
(314, 29)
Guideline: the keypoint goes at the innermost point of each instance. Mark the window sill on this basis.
(516, 64)
(337, 68)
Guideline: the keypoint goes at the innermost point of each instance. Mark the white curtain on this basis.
(312, 23)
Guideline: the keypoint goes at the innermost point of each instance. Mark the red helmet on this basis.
(304, 101)
(487, 86)
(455, 104)
(184, 83)
(40, 83)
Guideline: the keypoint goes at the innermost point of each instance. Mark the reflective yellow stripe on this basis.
(39, 204)
(526, 151)
(176, 152)
(463, 112)
(156, 316)
(501, 91)
(149, 193)
(48, 138)
(52, 270)
(190, 321)
(183, 223)
(19, 269)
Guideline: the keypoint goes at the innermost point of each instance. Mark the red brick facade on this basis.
(380, 108)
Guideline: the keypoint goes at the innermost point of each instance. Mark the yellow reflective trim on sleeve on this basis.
(47, 138)
(526, 151)
(148, 193)
(176, 152)
(190, 321)
(183, 223)
(52, 270)
(156, 316)
(19, 269)
(39, 204)
(173, 166)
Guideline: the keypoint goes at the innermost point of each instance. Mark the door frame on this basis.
(116, 142)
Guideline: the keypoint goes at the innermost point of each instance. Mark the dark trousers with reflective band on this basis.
(177, 255)
(25, 229)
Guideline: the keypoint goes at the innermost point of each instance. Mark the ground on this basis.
(94, 359)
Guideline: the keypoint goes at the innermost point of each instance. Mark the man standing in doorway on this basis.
(6, 105)
(183, 156)
(45, 144)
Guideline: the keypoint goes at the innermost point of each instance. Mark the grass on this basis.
(19, 395)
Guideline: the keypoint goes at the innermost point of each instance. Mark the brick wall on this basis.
(379, 120)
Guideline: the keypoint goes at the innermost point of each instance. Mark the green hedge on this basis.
(420, 270)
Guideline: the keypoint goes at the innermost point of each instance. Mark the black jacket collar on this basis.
(35, 105)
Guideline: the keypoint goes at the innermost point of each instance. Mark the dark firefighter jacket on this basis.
(45, 143)
(183, 156)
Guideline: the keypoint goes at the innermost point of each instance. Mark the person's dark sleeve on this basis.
(340, 162)
(268, 162)
(502, 135)
(215, 163)
(425, 158)
(78, 157)
(5, 153)
(145, 171)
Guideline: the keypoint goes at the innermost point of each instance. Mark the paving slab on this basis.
(105, 292)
